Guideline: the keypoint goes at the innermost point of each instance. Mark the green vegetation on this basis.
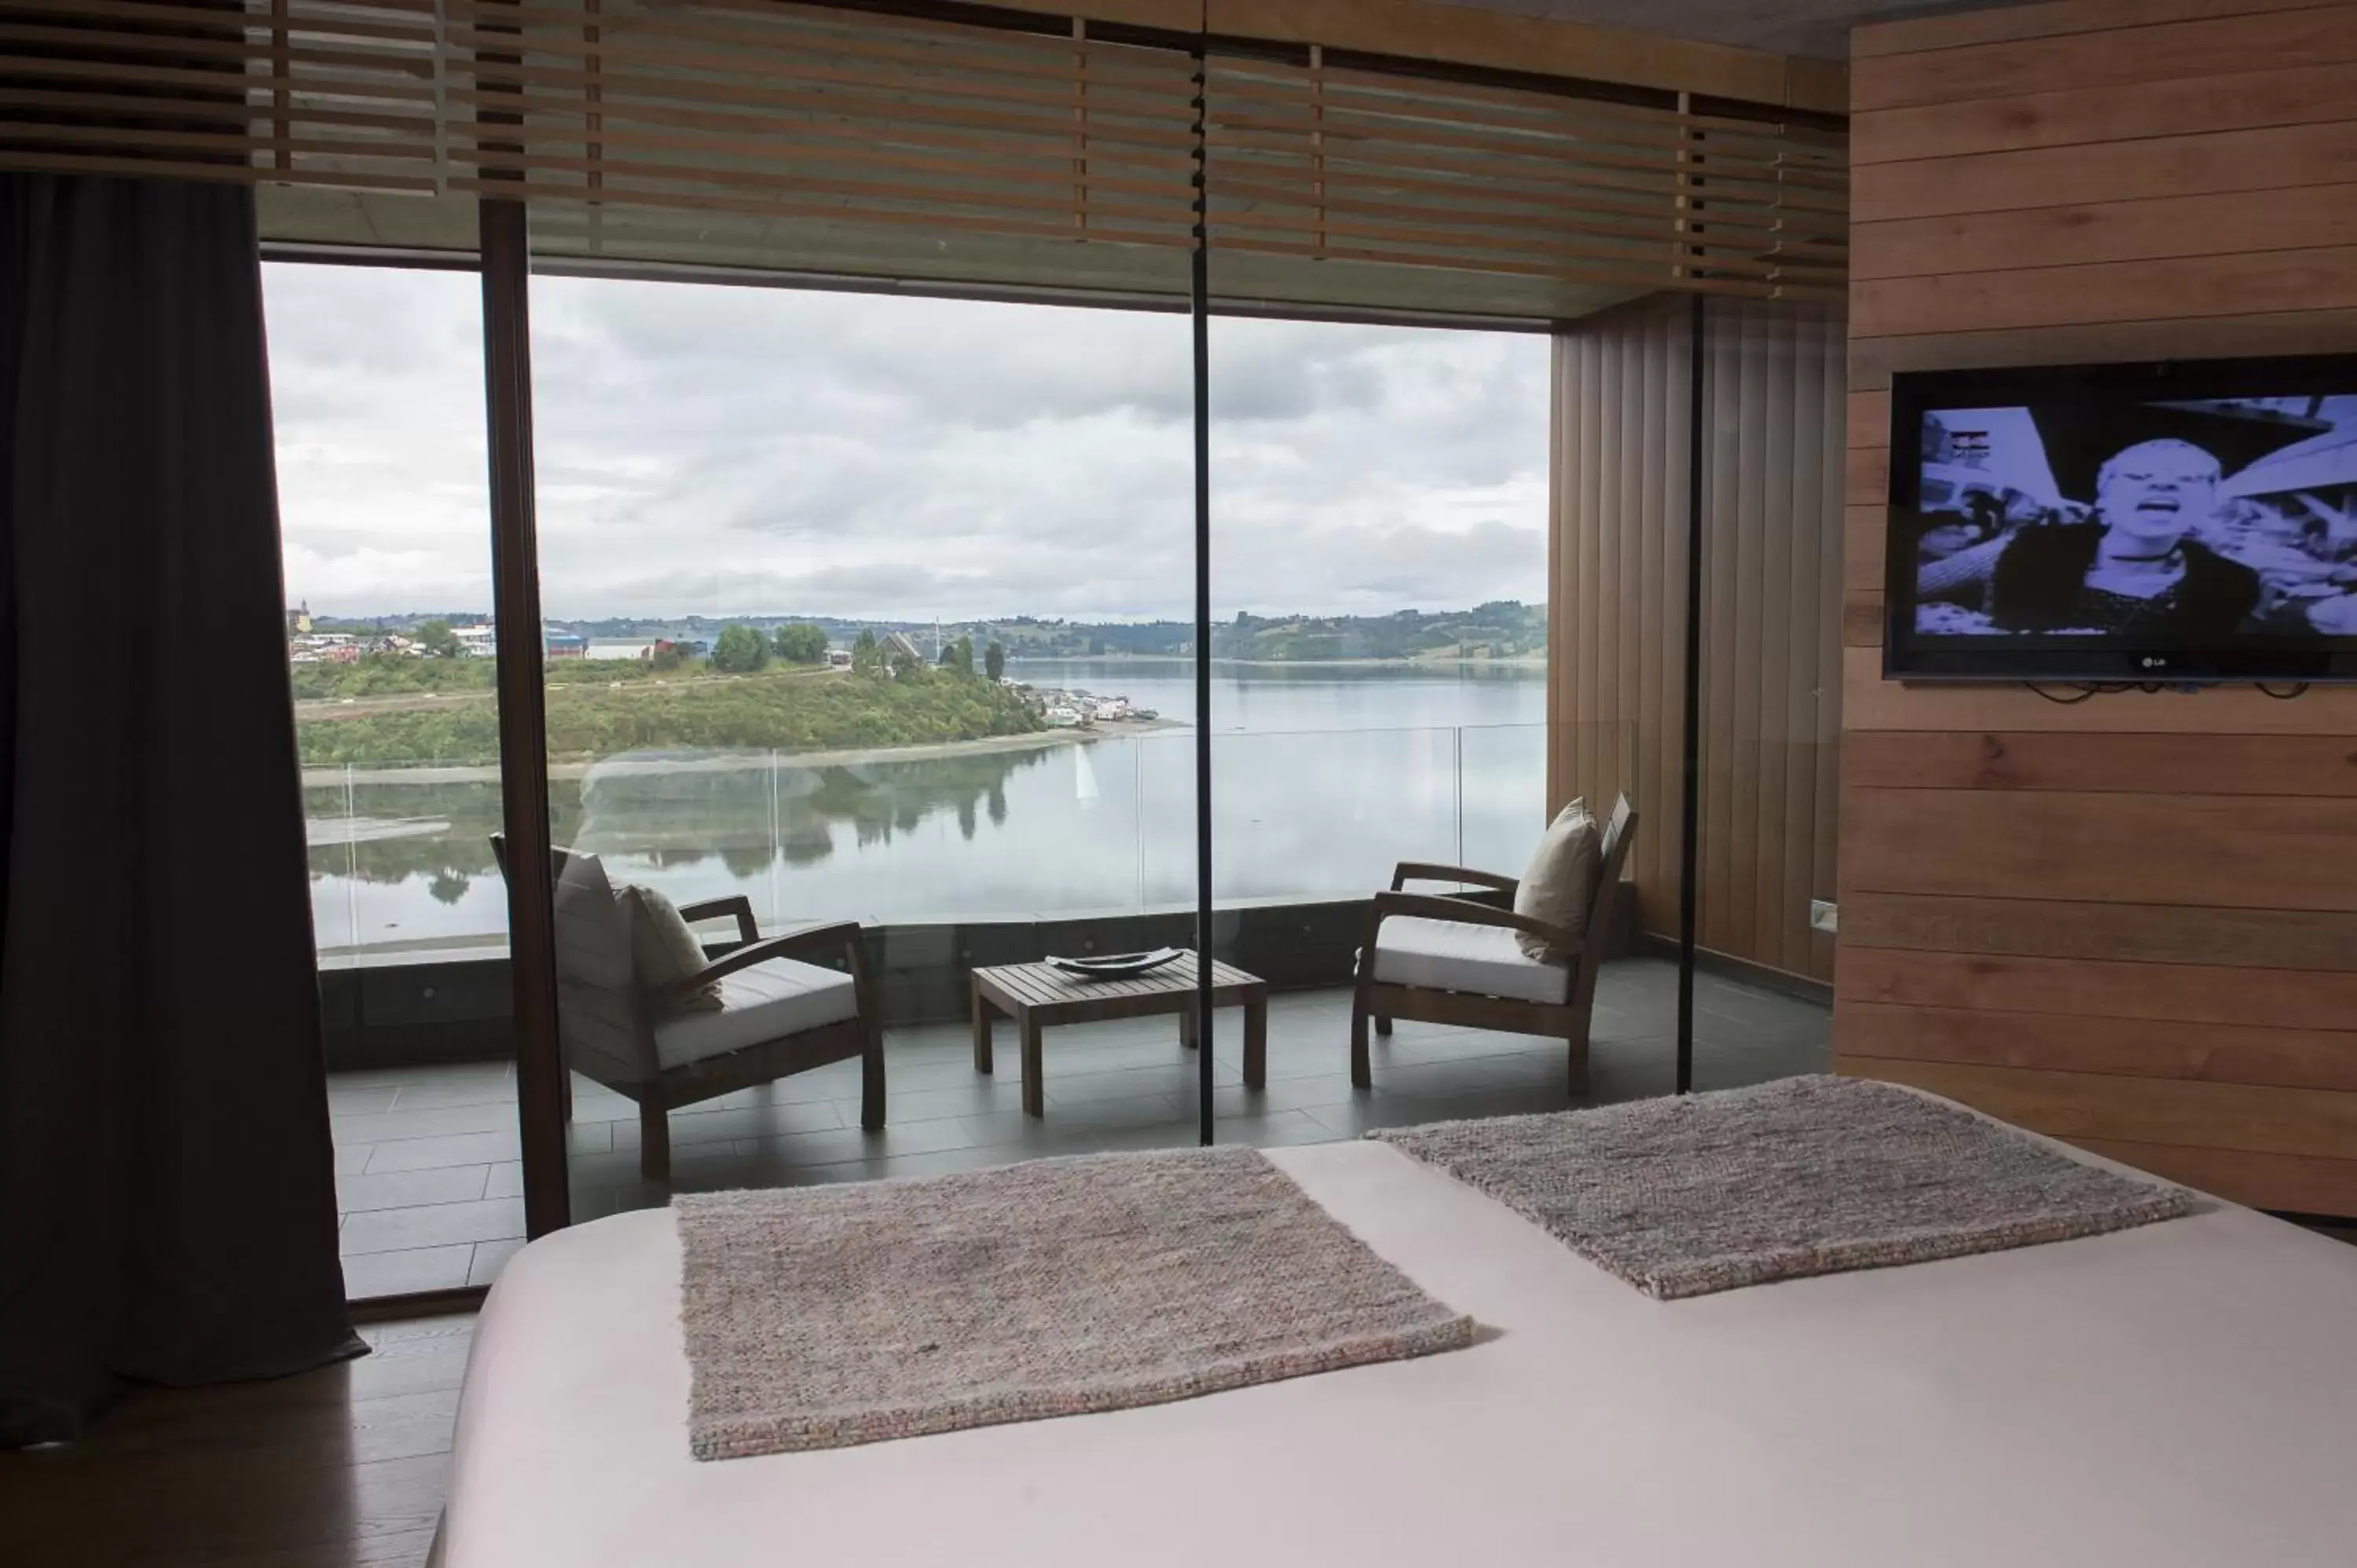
(994, 659)
(740, 651)
(399, 675)
(1504, 628)
(436, 638)
(800, 644)
(779, 709)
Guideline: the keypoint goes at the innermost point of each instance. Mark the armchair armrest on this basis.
(736, 903)
(841, 940)
(1425, 871)
(1464, 912)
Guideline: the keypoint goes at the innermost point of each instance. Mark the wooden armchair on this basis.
(1441, 960)
(788, 1003)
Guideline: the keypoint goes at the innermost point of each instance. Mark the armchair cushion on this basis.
(664, 952)
(1443, 955)
(768, 1001)
(1561, 882)
(593, 930)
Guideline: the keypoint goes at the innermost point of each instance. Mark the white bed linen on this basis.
(2183, 1393)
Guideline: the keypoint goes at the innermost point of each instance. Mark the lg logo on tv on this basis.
(2152, 662)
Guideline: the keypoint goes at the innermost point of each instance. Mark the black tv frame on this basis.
(2077, 660)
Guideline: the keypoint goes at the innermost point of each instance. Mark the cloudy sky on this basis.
(727, 451)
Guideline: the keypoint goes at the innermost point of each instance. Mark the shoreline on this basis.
(1520, 661)
(321, 775)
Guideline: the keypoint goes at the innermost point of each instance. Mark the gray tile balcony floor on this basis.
(432, 1194)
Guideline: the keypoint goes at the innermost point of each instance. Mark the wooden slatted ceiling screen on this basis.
(790, 134)
(1326, 163)
(804, 114)
(2130, 922)
(292, 91)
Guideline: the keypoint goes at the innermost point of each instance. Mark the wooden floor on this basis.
(335, 1467)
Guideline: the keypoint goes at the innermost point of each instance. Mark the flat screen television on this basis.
(2192, 521)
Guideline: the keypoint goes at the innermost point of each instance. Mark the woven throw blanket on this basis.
(818, 1317)
(1806, 1175)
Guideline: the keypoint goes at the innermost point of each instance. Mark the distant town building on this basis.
(567, 645)
(299, 619)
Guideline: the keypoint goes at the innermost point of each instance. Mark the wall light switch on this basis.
(1825, 915)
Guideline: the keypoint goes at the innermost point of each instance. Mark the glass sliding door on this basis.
(1380, 577)
(866, 613)
(377, 395)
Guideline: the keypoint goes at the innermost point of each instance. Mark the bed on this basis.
(2182, 1393)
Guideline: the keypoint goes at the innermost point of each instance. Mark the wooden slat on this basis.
(2169, 290)
(1862, 618)
(557, 197)
(1870, 703)
(2235, 101)
(2133, 1048)
(2275, 157)
(2131, 933)
(2072, 1105)
(2291, 854)
(2164, 229)
(2193, 994)
(2210, 764)
(2255, 40)
(1866, 475)
(1867, 419)
(1865, 532)
(2295, 1184)
(2281, 332)
(1468, 35)
(2057, 18)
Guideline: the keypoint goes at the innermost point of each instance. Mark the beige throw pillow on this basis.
(593, 928)
(1561, 882)
(664, 951)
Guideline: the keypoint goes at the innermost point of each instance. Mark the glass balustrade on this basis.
(1088, 822)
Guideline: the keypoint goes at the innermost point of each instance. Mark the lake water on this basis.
(1324, 776)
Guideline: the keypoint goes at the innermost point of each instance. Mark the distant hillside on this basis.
(1503, 629)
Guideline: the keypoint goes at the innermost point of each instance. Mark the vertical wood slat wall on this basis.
(1771, 579)
(2130, 923)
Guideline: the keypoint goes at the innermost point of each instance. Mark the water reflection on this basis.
(401, 857)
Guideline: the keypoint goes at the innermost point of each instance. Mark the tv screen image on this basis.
(2186, 522)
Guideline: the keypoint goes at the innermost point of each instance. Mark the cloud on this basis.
(722, 450)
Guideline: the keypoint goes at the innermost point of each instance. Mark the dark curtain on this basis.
(167, 1209)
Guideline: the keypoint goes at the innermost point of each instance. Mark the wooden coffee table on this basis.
(1038, 994)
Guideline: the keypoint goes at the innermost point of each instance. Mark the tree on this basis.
(994, 659)
(666, 656)
(868, 654)
(800, 644)
(962, 656)
(739, 650)
(436, 638)
(905, 664)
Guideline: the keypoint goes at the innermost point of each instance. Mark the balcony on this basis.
(427, 1155)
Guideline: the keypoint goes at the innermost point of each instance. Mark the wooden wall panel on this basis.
(1773, 570)
(2130, 921)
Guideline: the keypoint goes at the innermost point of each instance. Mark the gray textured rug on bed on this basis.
(1808, 1175)
(818, 1317)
